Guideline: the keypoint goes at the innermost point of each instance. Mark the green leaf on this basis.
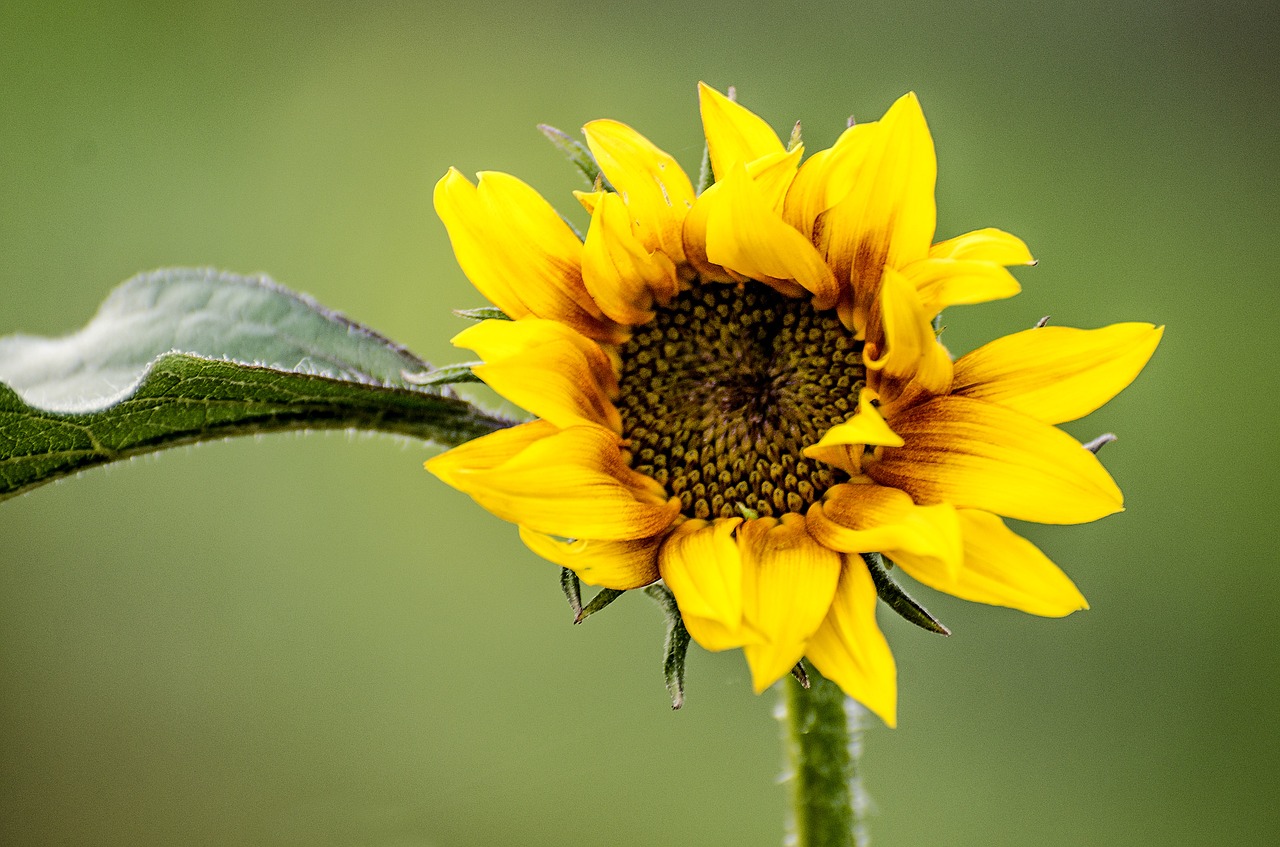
(179, 356)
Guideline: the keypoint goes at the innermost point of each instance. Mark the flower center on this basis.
(725, 386)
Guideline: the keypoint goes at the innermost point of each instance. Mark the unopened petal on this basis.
(789, 580)
(1057, 374)
(975, 454)
(850, 650)
(621, 565)
(1003, 569)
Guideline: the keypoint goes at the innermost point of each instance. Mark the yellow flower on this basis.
(740, 392)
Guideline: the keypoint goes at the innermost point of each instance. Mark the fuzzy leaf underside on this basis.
(180, 356)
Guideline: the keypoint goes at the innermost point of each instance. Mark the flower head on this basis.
(741, 392)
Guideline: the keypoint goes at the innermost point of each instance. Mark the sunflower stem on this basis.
(823, 739)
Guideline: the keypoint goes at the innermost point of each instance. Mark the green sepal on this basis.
(899, 600)
(792, 143)
(575, 151)
(1101, 441)
(676, 646)
(445, 375)
(572, 591)
(705, 175)
(598, 602)
(486, 313)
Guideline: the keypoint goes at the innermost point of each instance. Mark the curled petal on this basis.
(968, 269)
(620, 565)
(547, 369)
(788, 581)
(902, 336)
(655, 188)
(735, 134)
(573, 484)
(850, 649)
(874, 519)
(865, 428)
(975, 454)
(623, 276)
(518, 252)
(1057, 374)
(701, 565)
(1002, 568)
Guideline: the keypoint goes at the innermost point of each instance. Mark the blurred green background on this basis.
(310, 641)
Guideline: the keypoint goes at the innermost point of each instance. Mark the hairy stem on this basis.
(823, 737)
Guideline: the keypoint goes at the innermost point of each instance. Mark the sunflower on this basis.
(741, 392)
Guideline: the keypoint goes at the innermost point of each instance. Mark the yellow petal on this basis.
(975, 454)
(518, 252)
(655, 188)
(694, 237)
(874, 519)
(1057, 374)
(773, 175)
(701, 565)
(955, 282)
(968, 269)
(889, 215)
(788, 581)
(1004, 569)
(827, 177)
(865, 427)
(906, 363)
(547, 369)
(849, 648)
(573, 484)
(611, 564)
(623, 276)
(735, 134)
(984, 245)
(745, 235)
(488, 451)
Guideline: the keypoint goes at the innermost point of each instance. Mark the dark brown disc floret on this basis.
(722, 390)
